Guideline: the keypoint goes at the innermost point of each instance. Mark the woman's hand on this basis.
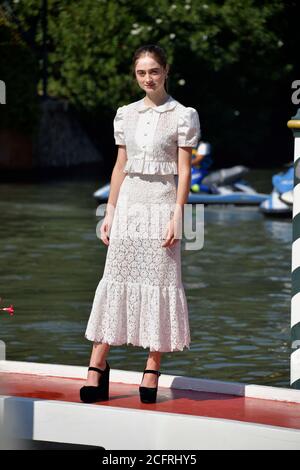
(173, 233)
(105, 228)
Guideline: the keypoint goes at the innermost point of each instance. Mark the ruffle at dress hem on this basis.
(142, 315)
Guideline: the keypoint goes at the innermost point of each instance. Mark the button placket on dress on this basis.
(145, 132)
(144, 136)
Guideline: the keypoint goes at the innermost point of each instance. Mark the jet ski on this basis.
(225, 186)
(279, 202)
(287, 197)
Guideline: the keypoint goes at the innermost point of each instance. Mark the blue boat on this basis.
(279, 202)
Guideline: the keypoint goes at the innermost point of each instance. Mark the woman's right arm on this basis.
(117, 178)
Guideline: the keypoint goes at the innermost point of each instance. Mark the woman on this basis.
(140, 299)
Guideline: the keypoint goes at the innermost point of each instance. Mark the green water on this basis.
(238, 286)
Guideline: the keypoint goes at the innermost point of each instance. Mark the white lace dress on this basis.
(140, 299)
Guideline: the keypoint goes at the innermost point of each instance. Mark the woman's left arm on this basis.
(188, 137)
(174, 229)
(184, 175)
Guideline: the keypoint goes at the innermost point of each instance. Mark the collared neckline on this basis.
(167, 106)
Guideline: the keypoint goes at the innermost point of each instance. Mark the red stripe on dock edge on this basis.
(213, 405)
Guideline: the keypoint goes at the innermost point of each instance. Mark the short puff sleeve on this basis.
(189, 128)
(118, 126)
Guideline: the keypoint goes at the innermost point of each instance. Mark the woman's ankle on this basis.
(153, 362)
(99, 364)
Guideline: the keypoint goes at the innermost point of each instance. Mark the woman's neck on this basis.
(156, 100)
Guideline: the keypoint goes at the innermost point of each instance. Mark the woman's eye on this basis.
(153, 72)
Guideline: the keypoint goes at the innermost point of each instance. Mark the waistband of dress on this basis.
(150, 167)
(151, 177)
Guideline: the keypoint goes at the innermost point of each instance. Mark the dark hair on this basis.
(157, 51)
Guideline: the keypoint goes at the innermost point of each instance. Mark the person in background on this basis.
(201, 162)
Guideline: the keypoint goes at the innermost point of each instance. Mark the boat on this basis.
(275, 206)
(40, 406)
(238, 193)
(287, 197)
(279, 202)
(224, 186)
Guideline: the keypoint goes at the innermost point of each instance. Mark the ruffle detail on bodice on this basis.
(150, 167)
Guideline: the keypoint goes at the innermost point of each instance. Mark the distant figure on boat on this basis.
(201, 163)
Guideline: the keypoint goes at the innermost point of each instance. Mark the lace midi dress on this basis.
(140, 299)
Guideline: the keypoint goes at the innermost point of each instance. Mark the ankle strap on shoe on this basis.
(152, 372)
(96, 369)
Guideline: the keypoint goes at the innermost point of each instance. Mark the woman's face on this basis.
(150, 74)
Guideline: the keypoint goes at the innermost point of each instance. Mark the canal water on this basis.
(238, 286)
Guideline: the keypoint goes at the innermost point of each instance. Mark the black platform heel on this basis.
(149, 394)
(90, 393)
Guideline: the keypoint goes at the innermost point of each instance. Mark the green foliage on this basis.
(91, 43)
(228, 58)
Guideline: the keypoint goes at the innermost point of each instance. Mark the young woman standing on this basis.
(140, 299)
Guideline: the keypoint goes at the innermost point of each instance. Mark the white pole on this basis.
(294, 124)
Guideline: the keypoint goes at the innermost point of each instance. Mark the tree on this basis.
(228, 59)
